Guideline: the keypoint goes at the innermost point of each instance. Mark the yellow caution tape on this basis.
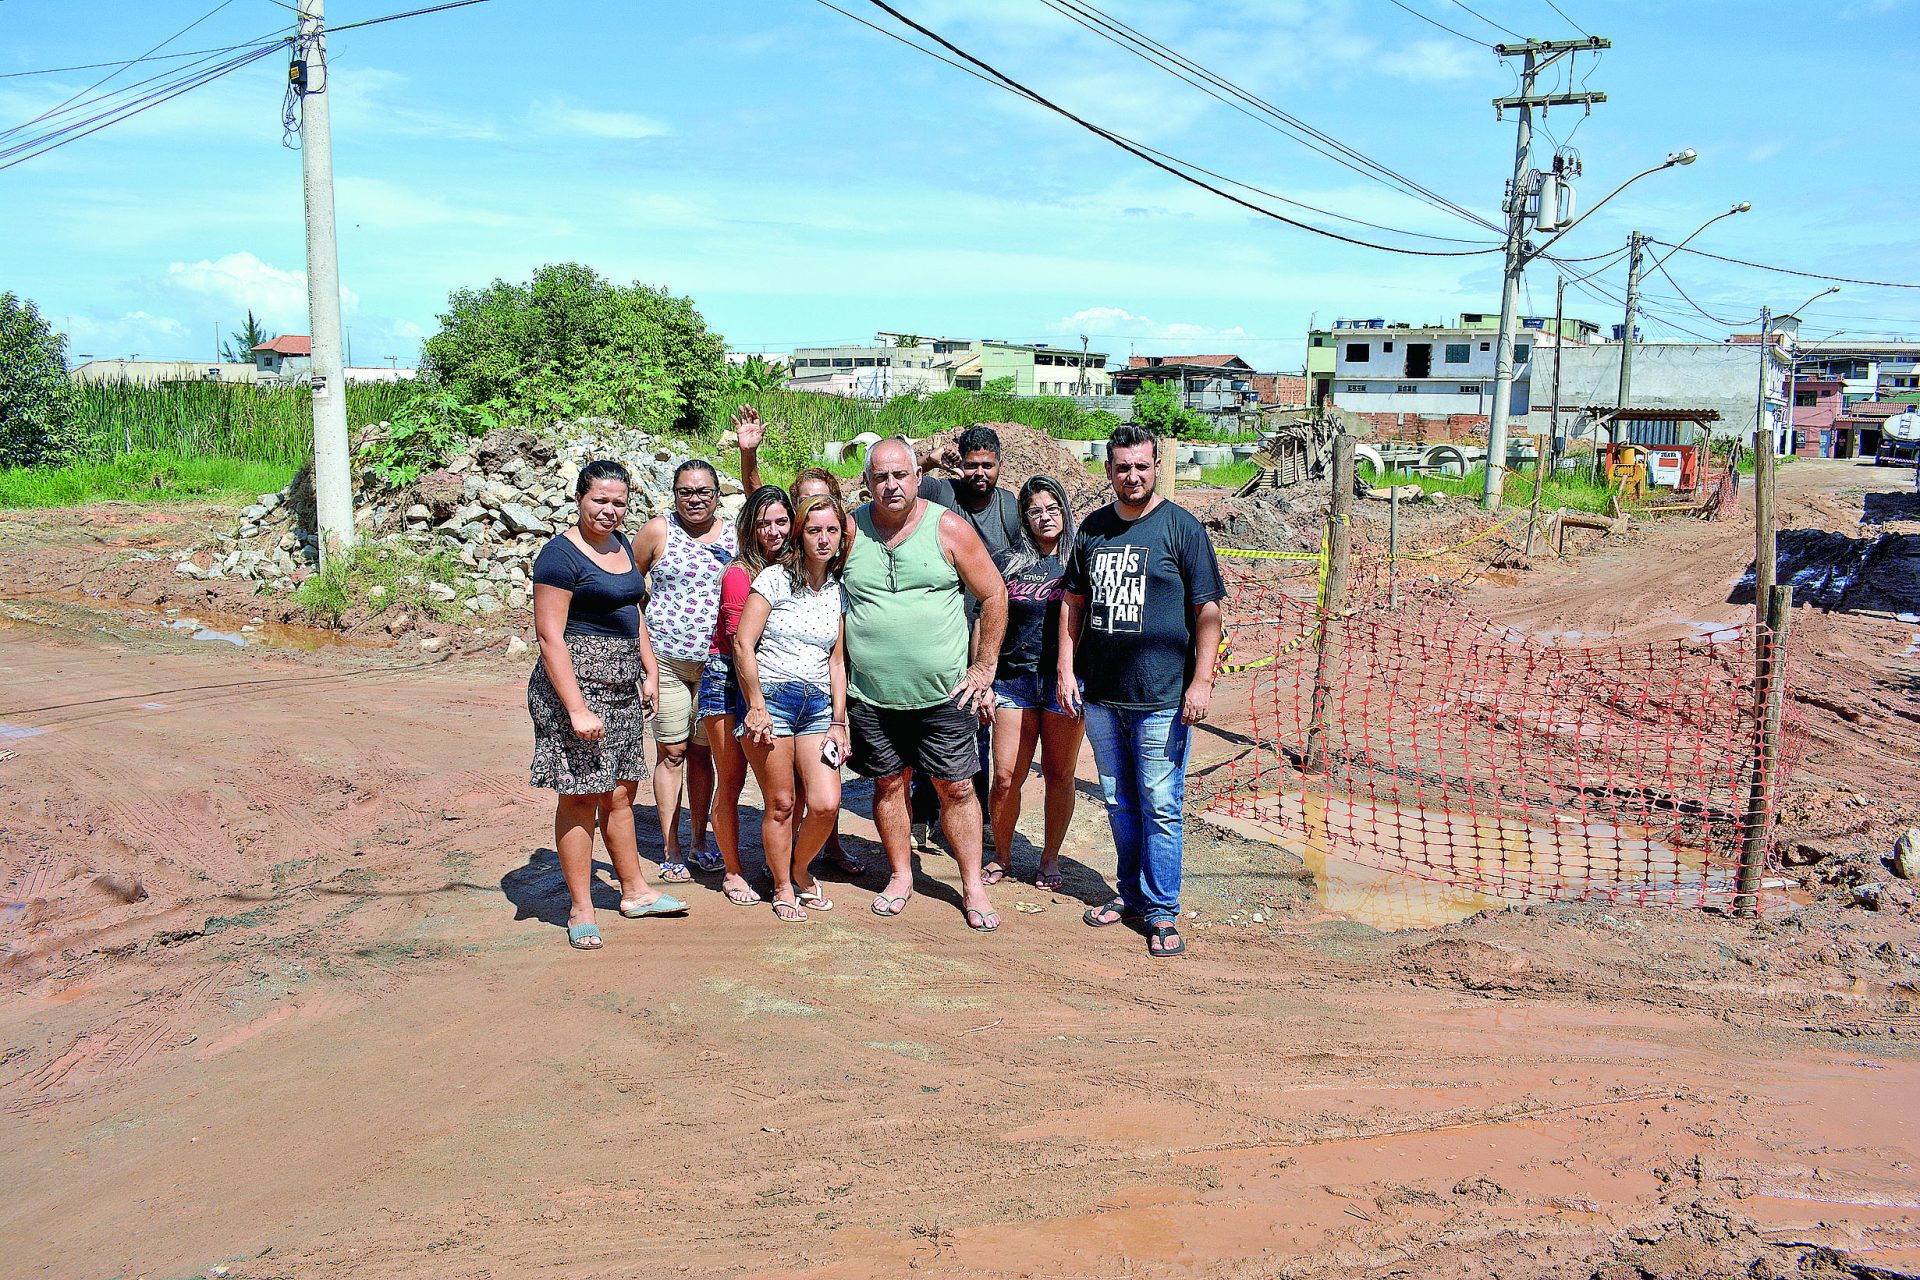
(1245, 553)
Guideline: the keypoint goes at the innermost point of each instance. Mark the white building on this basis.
(1435, 371)
(1666, 375)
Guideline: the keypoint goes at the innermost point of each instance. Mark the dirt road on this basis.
(288, 994)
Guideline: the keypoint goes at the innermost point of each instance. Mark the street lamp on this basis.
(1518, 256)
(1635, 243)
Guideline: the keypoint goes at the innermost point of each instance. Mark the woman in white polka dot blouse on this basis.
(790, 657)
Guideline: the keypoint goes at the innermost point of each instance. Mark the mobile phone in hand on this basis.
(830, 753)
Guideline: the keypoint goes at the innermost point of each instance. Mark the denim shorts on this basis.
(1029, 691)
(719, 690)
(796, 708)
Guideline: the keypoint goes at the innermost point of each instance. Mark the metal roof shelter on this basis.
(1649, 426)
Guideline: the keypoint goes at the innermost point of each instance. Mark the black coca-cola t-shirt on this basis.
(1144, 581)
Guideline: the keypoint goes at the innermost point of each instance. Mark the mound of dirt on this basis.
(1026, 452)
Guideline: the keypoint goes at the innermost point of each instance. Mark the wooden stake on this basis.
(1770, 680)
(1333, 600)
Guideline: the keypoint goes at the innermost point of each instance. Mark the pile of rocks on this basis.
(492, 507)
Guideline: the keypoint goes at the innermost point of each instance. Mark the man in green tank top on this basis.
(916, 695)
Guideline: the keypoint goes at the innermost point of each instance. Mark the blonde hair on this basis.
(795, 556)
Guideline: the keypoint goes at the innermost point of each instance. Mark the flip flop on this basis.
(584, 937)
(664, 905)
(708, 861)
(1049, 880)
(993, 873)
(1163, 932)
(675, 872)
(1110, 913)
(742, 897)
(852, 864)
(788, 911)
(982, 921)
(814, 900)
(885, 906)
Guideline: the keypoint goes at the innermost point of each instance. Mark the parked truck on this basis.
(1899, 439)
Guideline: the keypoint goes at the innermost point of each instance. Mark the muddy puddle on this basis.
(1397, 867)
(84, 613)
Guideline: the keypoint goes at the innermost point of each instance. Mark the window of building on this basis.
(1805, 399)
(1406, 387)
(1358, 353)
(843, 362)
(1387, 347)
(1355, 386)
(1459, 352)
(865, 362)
(1486, 346)
(1521, 351)
(1469, 389)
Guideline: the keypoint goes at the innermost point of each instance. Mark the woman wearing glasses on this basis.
(684, 555)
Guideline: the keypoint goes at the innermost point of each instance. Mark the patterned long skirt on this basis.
(608, 670)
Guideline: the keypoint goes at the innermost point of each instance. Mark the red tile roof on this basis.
(1148, 362)
(1872, 409)
(288, 344)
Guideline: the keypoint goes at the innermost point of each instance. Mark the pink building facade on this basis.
(1817, 403)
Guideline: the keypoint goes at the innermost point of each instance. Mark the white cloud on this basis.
(592, 122)
(1430, 60)
(1120, 322)
(242, 281)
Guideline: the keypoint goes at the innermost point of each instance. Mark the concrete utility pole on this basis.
(1635, 243)
(332, 464)
(1518, 250)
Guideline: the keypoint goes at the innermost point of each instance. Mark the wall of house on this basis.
(1666, 375)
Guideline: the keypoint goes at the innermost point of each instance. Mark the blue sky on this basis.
(807, 180)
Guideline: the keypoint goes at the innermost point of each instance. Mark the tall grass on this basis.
(211, 419)
(144, 476)
(1575, 490)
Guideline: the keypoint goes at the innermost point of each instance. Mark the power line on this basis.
(1789, 271)
(1197, 168)
(1661, 267)
(410, 13)
(1569, 21)
(134, 91)
(1157, 163)
(1462, 4)
(1181, 67)
(95, 66)
(123, 66)
(1437, 23)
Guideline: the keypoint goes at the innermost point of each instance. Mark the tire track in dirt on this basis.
(99, 1060)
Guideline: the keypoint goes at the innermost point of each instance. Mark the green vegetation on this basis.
(238, 349)
(1157, 407)
(227, 420)
(799, 422)
(1575, 490)
(401, 574)
(142, 477)
(569, 344)
(1228, 475)
(37, 424)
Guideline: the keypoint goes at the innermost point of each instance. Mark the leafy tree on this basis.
(38, 422)
(239, 348)
(569, 344)
(758, 374)
(1157, 407)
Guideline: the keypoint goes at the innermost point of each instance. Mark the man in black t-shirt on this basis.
(976, 497)
(1140, 625)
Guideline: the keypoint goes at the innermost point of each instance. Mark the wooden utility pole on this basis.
(332, 463)
(1553, 419)
(1764, 551)
(1333, 602)
(1769, 688)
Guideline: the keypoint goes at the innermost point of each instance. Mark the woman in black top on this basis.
(1028, 711)
(589, 696)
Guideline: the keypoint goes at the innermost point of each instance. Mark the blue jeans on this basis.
(1142, 759)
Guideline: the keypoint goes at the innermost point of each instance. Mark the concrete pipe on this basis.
(1446, 459)
(1365, 455)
